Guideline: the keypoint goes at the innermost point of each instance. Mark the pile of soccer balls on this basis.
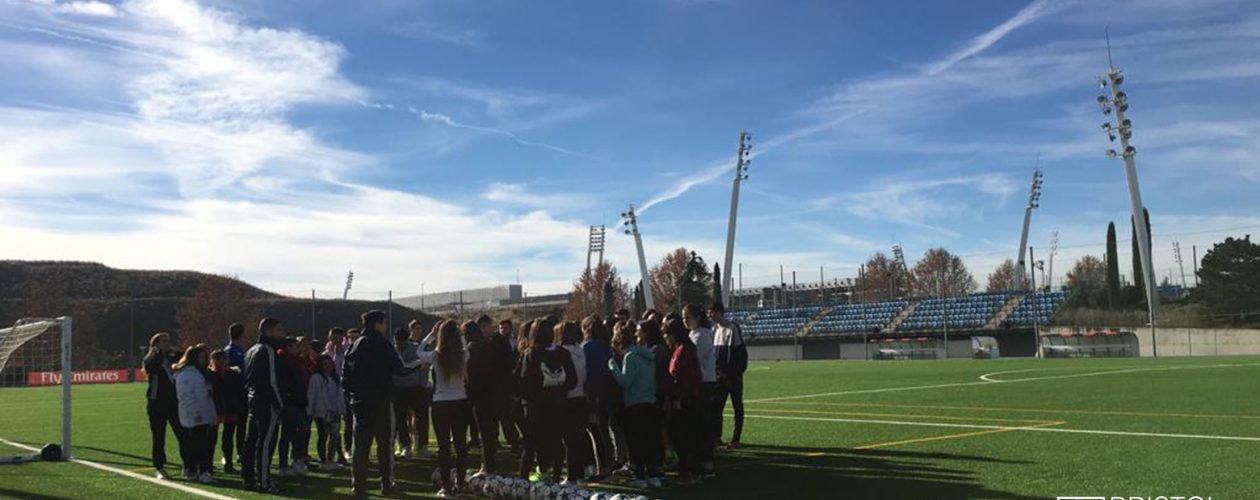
(519, 489)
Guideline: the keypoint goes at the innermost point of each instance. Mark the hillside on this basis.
(116, 310)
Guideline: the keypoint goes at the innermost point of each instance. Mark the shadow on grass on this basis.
(22, 495)
(770, 471)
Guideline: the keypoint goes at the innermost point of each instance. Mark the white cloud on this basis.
(436, 32)
(89, 8)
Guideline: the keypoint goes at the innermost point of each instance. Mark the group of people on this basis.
(575, 400)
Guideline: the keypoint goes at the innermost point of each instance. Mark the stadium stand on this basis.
(976, 312)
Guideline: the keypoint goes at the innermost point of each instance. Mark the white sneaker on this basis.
(161, 474)
(204, 478)
(404, 454)
(654, 482)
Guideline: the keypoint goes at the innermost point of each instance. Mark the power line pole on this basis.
(741, 173)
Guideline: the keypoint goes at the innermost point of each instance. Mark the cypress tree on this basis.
(1113, 268)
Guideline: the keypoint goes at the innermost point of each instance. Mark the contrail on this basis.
(978, 44)
(451, 122)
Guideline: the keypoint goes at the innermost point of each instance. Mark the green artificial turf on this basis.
(884, 429)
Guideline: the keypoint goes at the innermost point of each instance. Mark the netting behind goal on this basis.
(35, 379)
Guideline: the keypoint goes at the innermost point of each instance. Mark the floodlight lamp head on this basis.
(1130, 151)
(1102, 82)
(1117, 77)
(1111, 153)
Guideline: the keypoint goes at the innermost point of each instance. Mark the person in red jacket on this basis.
(684, 393)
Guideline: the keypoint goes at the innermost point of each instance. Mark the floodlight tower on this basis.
(1054, 250)
(899, 260)
(741, 174)
(1177, 255)
(631, 223)
(1119, 102)
(349, 281)
(1034, 199)
(595, 245)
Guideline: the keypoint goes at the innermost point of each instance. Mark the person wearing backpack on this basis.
(636, 374)
(547, 374)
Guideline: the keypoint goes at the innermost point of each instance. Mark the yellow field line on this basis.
(1028, 410)
(954, 436)
(895, 415)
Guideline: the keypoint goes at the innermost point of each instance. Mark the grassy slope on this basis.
(817, 459)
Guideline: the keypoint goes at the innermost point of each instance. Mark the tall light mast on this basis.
(1123, 129)
(741, 173)
(631, 223)
(1034, 198)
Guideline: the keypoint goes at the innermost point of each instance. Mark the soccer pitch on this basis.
(1005, 429)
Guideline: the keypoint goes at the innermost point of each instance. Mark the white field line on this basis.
(988, 377)
(1003, 427)
(129, 474)
(987, 381)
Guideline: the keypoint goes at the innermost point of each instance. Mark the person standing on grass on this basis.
(235, 349)
(452, 413)
(577, 443)
(196, 412)
(422, 416)
(636, 374)
(731, 361)
(347, 434)
(547, 375)
(505, 338)
(162, 405)
(371, 365)
(517, 412)
(263, 382)
(601, 390)
(487, 360)
(407, 393)
(231, 402)
(698, 322)
(326, 405)
(293, 414)
(684, 395)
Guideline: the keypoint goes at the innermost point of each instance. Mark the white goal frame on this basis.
(67, 371)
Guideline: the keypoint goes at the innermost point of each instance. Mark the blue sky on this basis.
(452, 143)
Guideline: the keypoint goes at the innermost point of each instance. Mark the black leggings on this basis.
(543, 434)
(450, 423)
(159, 417)
(328, 443)
(707, 434)
(683, 433)
(643, 433)
(233, 440)
(577, 443)
(198, 446)
(486, 412)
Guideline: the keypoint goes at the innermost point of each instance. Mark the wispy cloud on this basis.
(425, 30)
(446, 120)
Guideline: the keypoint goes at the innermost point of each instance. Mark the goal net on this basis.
(35, 378)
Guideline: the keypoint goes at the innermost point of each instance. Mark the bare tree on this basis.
(591, 290)
(1087, 275)
(941, 271)
(883, 278)
(1002, 279)
(218, 302)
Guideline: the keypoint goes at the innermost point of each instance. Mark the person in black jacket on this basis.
(162, 405)
(547, 374)
(489, 371)
(368, 381)
(263, 383)
(231, 401)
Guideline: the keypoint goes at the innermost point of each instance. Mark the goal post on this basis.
(36, 373)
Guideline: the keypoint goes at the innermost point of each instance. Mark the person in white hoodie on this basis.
(577, 443)
(197, 413)
(326, 405)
